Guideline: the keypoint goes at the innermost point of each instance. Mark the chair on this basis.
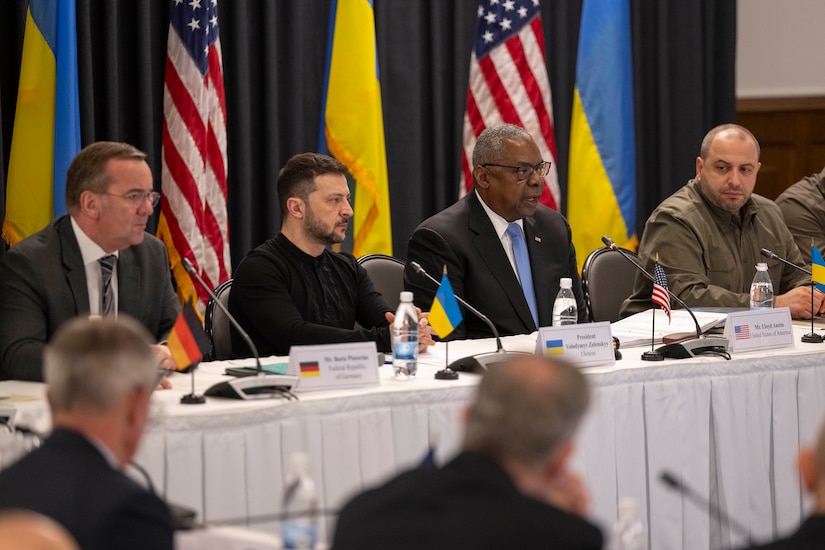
(607, 280)
(217, 325)
(387, 274)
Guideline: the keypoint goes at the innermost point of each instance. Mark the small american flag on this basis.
(660, 296)
(742, 332)
(509, 84)
(193, 222)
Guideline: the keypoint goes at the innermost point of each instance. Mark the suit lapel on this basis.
(128, 284)
(73, 266)
(537, 249)
(496, 259)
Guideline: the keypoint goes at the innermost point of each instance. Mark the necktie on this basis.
(523, 268)
(107, 294)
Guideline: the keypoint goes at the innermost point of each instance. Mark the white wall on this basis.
(780, 48)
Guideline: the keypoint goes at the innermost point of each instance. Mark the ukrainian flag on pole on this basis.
(46, 133)
(602, 168)
(352, 125)
(817, 268)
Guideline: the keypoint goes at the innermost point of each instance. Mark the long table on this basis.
(729, 429)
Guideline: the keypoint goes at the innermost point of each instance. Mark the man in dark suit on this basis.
(56, 274)
(509, 487)
(100, 376)
(478, 237)
(811, 534)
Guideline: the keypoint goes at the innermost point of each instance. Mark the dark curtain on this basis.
(274, 55)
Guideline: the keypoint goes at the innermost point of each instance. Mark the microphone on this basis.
(768, 254)
(673, 482)
(260, 385)
(812, 337)
(715, 345)
(482, 361)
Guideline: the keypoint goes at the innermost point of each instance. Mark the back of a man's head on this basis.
(90, 365)
(526, 410)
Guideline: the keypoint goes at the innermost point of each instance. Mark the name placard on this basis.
(585, 345)
(757, 329)
(334, 366)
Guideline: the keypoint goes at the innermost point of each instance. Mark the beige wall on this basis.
(780, 48)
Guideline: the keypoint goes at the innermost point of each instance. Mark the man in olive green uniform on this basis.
(709, 234)
(803, 206)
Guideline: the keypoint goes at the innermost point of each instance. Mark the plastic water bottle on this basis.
(761, 288)
(405, 338)
(564, 308)
(628, 532)
(300, 527)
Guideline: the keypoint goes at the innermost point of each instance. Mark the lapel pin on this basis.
(538, 239)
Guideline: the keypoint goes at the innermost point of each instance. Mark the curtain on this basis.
(274, 54)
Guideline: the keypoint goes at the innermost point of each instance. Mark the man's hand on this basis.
(798, 300)
(425, 331)
(165, 361)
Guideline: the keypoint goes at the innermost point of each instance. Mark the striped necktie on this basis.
(107, 293)
(525, 275)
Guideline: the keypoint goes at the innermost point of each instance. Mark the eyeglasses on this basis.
(524, 171)
(136, 198)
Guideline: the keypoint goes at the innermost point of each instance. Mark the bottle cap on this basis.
(406, 296)
(627, 508)
(761, 266)
(566, 282)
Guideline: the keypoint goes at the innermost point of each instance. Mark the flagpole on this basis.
(812, 337)
(653, 355)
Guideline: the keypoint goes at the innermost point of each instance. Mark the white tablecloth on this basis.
(729, 429)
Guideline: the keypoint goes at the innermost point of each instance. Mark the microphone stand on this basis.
(482, 361)
(671, 481)
(683, 348)
(250, 387)
(811, 337)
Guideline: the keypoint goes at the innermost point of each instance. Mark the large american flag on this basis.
(193, 220)
(660, 296)
(509, 84)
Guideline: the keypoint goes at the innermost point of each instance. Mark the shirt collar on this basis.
(499, 223)
(90, 251)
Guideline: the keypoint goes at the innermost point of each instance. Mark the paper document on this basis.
(637, 329)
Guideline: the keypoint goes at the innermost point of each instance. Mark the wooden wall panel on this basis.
(791, 132)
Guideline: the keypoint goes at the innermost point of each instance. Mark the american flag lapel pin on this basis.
(538, 239)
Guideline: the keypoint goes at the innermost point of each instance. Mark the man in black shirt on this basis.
(292, 289)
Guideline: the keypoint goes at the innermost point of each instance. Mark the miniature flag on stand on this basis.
(817, 268)
(444, 314)
(187, 340)
(660, 296)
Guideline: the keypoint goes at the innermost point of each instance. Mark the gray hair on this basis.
(742, 132)
(490, 145)
(92, 364)
(526, 410)
(89, 169)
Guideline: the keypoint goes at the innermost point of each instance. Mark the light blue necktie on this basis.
(523, 268)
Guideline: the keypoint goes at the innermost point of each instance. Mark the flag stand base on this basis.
(653, 356)
(812, 338)
(192, 399)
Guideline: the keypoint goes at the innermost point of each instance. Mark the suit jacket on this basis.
(463, 237)
(43, 284)
(470, 503)
(69, 480)
(810, 536)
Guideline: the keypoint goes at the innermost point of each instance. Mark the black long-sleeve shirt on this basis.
(283, 297)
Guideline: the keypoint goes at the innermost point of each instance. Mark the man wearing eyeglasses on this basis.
(504, 252)
(96, 261)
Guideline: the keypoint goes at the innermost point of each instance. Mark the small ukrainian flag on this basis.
(554, 347)
(817, 268)
(445, 315)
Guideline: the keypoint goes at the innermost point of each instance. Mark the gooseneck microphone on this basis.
(482, 361)
(715, 345)
(674, 483)
(261, 385)
(812, 337)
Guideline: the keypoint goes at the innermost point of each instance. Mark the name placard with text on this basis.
(585, 345)
(334, 366)
(757, 329)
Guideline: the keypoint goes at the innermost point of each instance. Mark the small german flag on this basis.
(187, 341)
(310, 369)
